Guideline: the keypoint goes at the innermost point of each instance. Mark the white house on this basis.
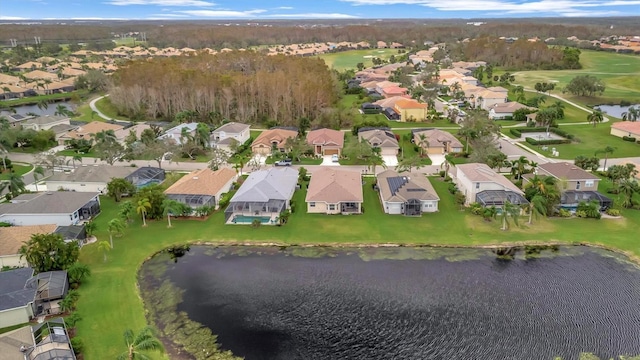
(62, 208)
(224, 136)
(406, 195)
(479, 183)
(487, 98)
(87, 178)
(505, 110)
(175, 133)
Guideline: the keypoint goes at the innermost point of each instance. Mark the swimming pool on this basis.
(242, 219)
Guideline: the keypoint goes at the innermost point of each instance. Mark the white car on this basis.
(335, 158)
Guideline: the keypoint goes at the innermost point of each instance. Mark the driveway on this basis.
(390, 160)
(436, 159)
(326, 161)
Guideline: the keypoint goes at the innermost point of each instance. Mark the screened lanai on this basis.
(50, 286)
(499, 198)
(145, 176)
(248, 209)
(193, 200)
(51, 342)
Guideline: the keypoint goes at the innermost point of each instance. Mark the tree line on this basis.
(244, 86)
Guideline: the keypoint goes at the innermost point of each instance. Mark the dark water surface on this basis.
(265, 304)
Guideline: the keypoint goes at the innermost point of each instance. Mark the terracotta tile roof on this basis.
(630, 126)
(89, 129)
(326, 137)
(333, 185)
(477, 172)
(410, 104)
(39, 74)
(567, 171)
(508, 107)
(437, 138)
(8, 79)
(202, 182)
(13, 237)
(278, 136)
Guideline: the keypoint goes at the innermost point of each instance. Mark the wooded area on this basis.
(244, 86)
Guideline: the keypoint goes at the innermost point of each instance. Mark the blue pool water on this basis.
(242, 219)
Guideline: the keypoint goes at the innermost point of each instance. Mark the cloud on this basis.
(312, 16)
(183, 3)
(156, 16)
(560, 7)
(223, 14)
(2, 17)
(285, 8)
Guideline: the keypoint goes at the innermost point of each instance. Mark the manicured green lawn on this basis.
(110, 301)
(106, 107)
(620, 72)
(349, 59)
(18, 169)
(71, 152)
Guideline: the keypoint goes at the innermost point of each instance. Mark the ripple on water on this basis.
(274, 306)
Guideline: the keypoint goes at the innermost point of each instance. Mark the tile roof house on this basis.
(576, 184)
(88, 131)
(390, 91)
(626, 128)
(40, 75)
(202, 187)
(410, 196)
(326, 141)
(228, 133)
(505, 110)
(87, 178)
(435, 141)
(335, 191)
(45, 122)
(175, 133)
(59, 207)
(272, 139)
(479, 183)
(263, 196)
(487, 98)
(13, 237)
(383, 139)
(410, 110)
(121, 134)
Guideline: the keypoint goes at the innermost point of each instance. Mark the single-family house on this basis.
(45, 122)
(391, 91)
(15, 92)
(88, 131)
(335, 191)
(410, 110)
(481, 184)
(202, 187)
(176, 133)
(626, 128)
(326, 141)
(369, 108)
(410, 196)
(24, 295)
(487, 98)
(52, 207)
(40, 75)
(13, 237)
(16, 120)
(263, 196)
(272, 140)
(435, 141)
(229, 133)
(576, 184)
(87, 178)
(504, 110)
(137, 129)
(383, 139)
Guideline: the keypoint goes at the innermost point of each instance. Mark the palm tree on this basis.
(537, 205)
(447, 163)
(42, 104)
(90, 228)
(114, 226)
(143, 207)
(38, 170)
(519, 167)
(144, 341)
(606, 151)
(202, 135)
(75, 158)
(126, 210)
(62, 110)
(632, 114)
(239, 162)
(105, 247)
(422, 142)
(509, 209)
(596, 116)
(627, 188)
(14, 185)
(171, 207)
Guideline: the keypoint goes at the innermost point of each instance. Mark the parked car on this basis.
(335, 158)
(283, 162)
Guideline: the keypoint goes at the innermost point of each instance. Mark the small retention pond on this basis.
(615, 110)
(401, 303)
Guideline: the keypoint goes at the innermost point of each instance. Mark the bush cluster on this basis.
(629, 138)
(533, 141)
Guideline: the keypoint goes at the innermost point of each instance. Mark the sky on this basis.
(309, 9)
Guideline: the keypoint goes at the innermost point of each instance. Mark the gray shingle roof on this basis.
(270, 184)
(59, 202)
(232, 127)
(13, 292)
(101, 173)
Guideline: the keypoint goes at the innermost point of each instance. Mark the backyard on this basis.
(345, 60)
(110, 302)
(17, 168)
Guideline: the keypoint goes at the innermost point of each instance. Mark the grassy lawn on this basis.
(110, 302)
(349, 59)
(620, 73)
(71, 153)
(84, 114)
(18, 169)
(303, 160)
(106, 107)
(35, 99)
(591, 140)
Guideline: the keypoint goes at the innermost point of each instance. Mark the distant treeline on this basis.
(247, 86)
(410, 32)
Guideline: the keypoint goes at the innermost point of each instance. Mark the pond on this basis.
(615, 110)
(50, 110)
(407, 303)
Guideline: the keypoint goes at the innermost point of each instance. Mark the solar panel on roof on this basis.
(416, 189)
(395, 183)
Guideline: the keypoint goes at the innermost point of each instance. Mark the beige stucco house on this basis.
(435, 141)
(383, 139)
(272, 139)
(335, 191)
(626, 128)
(410, 110)
(406, 195)
(326, 141)
(479, 183)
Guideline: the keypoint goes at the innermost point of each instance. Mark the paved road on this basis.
(93, 106)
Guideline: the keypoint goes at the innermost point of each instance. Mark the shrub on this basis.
(256, 223)
(613, 212)
(460, 198)
(533, 141)
(564, 213)
(476, 209)
(78, 345)
(452, 188)
(515, 132)
(629, 138)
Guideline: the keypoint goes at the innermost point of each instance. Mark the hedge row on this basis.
(629, 138)
(533, 141)
(518, 132)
